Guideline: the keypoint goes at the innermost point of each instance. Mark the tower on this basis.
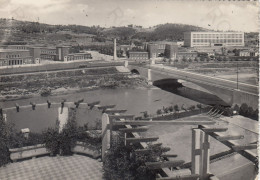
(62, 52)
(115, 56)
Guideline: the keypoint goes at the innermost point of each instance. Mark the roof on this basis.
(133, 52)
(13, 50)
(216, 32)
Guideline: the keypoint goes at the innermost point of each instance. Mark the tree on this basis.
(122, 162)
(166, 110)
(171, 109)
(176, 108)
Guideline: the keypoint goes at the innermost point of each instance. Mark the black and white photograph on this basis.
(129, 89)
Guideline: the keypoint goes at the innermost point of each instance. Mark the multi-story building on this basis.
(138, 55)
(60, 53)
(9, 57)
(21, 54)
(201, 39)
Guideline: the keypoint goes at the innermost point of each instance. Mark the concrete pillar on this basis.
(126, 63)
(105, 134)
(195, 152)
(115, 55)
(149, 78)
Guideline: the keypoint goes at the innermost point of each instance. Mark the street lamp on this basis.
(237, 75)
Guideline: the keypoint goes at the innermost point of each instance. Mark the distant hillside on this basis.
(39, 33)
(167, 32)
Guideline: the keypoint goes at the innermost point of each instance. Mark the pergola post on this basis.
(200, 154)
(195, 152)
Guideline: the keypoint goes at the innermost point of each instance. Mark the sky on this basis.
(238, 15)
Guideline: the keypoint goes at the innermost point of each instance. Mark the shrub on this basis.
(192, 107)
(236, 108)
(64, 141)
(121, 162)
(68, 135)
(4, 137)
(199, 106)
(51, 140)
(243, 109)
(159, 111)
(17, 140)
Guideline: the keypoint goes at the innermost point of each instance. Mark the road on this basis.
(190, 76)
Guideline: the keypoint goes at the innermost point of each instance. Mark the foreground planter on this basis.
(28, 152)
(84, 149)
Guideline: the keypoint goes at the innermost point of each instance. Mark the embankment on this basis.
(27, 85)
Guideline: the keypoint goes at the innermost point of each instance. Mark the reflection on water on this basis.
(134, 100)
(191, 91)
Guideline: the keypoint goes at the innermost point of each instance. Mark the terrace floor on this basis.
(60, 167)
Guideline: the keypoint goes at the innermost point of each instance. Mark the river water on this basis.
(134, 100)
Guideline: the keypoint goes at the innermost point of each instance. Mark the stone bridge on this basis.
(229, 91)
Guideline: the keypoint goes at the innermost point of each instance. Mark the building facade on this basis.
(20, 55)
(187, 56)
(171, 51)
(136, 55)
(10, 57)
(209, 39)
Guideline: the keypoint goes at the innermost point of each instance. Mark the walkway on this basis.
(54, 168)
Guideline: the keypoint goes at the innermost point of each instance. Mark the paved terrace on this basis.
(178, 138)
(54, 168)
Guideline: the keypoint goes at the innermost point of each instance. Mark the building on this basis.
(60, 53)
(152, 50)
(78, 56)
(18, 47)
(180, 43)
(124, 49)
(20, 55)
(10, 57)
(138, 55)
(246, 53)
(161, 48)
(171, 51)
(209, 39)
(186, 55)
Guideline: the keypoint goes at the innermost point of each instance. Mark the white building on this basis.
(208, 39)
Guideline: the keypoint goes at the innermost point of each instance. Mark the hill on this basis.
(35, 32)
(167, 32)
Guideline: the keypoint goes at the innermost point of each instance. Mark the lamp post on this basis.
(237, 75)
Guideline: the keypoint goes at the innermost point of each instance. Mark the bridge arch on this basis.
(135, 71)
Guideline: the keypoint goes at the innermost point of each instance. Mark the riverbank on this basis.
(57, 83)
(125, 83)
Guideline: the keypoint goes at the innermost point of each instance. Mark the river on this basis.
(134, 100)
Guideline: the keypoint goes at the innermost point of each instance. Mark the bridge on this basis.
(229, 91)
